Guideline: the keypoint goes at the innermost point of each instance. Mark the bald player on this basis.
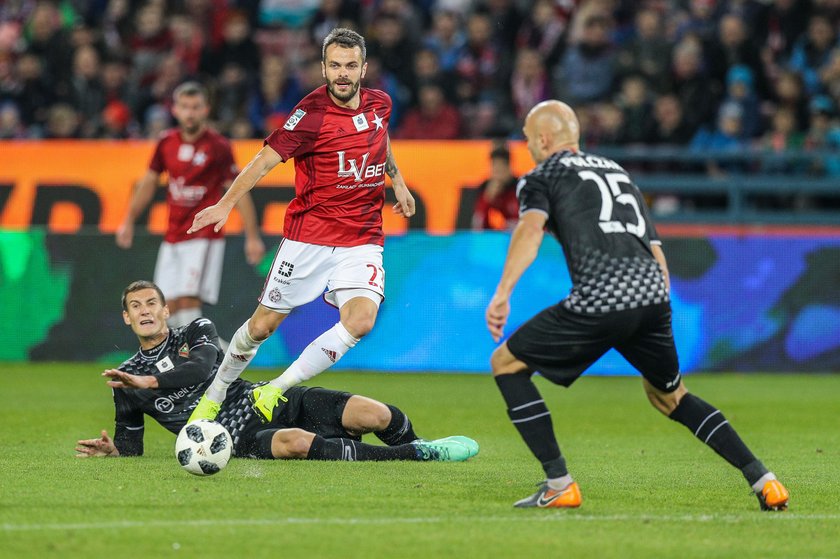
(619, 299)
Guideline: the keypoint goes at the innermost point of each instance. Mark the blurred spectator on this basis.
(433, 118)
(649, 53)
(732, 46)
(156, 119)
(149, 44)
(480, 64)
(116, 122)
(670, 127)
(727, 136)
(277, 95)
(529, 83)
(698, 93)
(823, 135)
(739, 90)
(812, 52)
(497, 207)
(236, 48)
(700, 21)
(789, 93)
(11, 127)
(635, 105)
(48, 41)
(778, 28)
(391, 46)
(187, 42)
(232, 94)
(544, 30)
(84, 91)
(377, 78)
(586, 71)
(446, 38)
(332, 14)
(604, 125)
(241, 129)
(782, 136)
(427, 69)
(36, 95)
(62, 123)
(506, 21)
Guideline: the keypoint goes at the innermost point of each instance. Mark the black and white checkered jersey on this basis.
(603, 224)
(172, 403)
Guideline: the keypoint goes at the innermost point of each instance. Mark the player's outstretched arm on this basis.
(142, 196)
(256, 169)
(405, 201)
(121, 379)
(101, 447)
(524, 245)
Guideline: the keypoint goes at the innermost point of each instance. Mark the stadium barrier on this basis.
(69, 186)
(744, 301)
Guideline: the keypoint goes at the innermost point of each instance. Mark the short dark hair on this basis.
(190, 89)
(346, 38)
(137, 286)
(500, 152)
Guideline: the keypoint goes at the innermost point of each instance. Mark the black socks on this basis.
(710, 426)
(350, 450)
(399, 430)
(531, 417)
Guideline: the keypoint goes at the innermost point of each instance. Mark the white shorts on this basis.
(301, 272)
(191, 269)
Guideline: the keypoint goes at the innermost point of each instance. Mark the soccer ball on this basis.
(203, 447)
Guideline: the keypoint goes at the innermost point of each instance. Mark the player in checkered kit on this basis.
(619, 299)
(332, 232)
(166, 377)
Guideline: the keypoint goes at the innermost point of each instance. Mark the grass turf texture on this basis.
(650, 489)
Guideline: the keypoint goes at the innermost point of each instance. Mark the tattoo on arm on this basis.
(390, 164)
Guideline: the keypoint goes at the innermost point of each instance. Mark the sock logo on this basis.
(330, 353)
(239, 357)
(286, 269)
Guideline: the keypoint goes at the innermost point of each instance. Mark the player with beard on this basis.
(332, 245)
(199, 165)
(166, 378)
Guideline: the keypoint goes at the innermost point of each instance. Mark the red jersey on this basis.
(339, 158)
(198, 173)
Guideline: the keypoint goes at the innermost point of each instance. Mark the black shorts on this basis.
(561, 344)
(313, 409)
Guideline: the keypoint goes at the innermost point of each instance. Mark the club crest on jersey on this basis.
(360, 122)
(186, 152)
(165, 364)
(184, 351)
(293, 121)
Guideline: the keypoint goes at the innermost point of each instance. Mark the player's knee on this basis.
(261, 329)
(379, 416)
(664, 402)
(359, 325)
(502, 362)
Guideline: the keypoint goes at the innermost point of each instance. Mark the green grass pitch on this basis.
(650, 489)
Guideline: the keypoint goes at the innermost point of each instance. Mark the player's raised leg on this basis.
(242, 349)
(710, 426)
(358, 309)
(530, 416)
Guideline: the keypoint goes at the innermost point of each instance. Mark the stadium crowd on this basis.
(702, 73)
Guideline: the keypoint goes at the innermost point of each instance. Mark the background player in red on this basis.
(338, 137)
(200, 166)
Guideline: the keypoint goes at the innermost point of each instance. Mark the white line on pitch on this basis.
(553, 516)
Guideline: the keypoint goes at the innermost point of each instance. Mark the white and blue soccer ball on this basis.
(203, 447)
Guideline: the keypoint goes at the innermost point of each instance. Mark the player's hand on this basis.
(215, 215)
(103, 446)
(497, 315)
(125, 235)
(121, 379)
(405, 202)
(254, 250)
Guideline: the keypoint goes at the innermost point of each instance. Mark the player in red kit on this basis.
(199, 164)
(338, 137)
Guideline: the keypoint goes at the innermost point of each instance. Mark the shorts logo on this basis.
(274, 295)
(293, 121)
(330, 353)
(286, 269)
